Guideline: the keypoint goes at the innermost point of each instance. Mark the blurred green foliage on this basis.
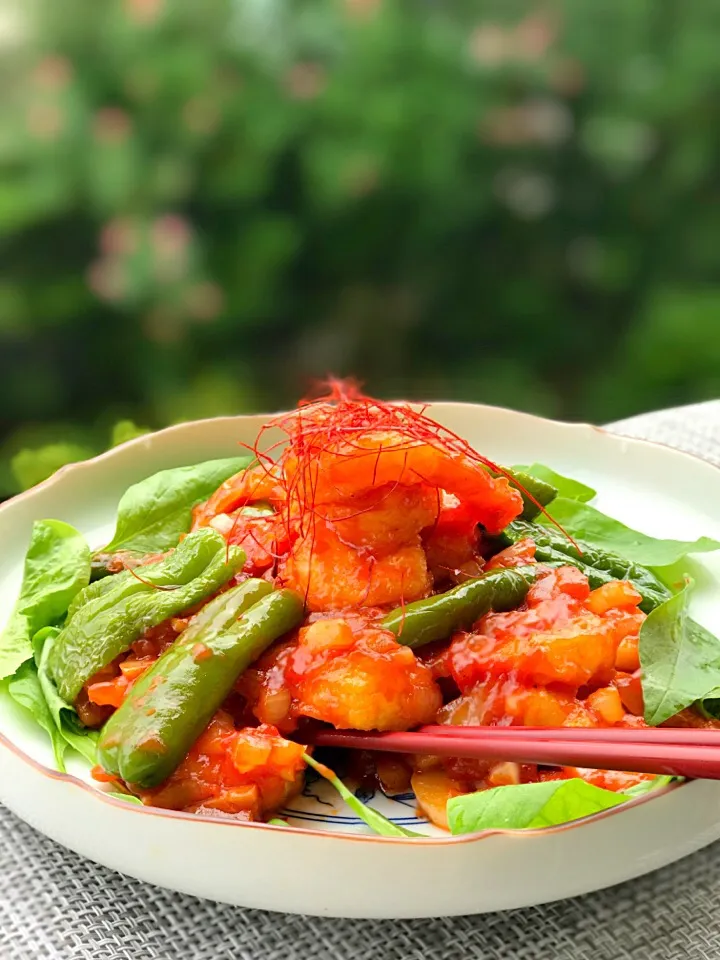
(205, 204)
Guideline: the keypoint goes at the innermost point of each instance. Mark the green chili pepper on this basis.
(438, 617)
(170, 705)
(110, 614)
(599, 566)
(542, 492)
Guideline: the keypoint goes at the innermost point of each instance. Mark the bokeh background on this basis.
(204, 205)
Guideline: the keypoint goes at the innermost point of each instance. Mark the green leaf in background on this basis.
(126, 430)
(25, 688)
(154, 513)
(680, 660)
(585, 522)
(192, 108)
(565, 486)
(57, 567)
(527, 805)
(376, 821)
(31, 467)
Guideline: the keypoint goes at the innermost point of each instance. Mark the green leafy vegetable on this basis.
(57, 567)
(277, 822)
(25, 688)
(64, 715)
(599, 566)
(582, 520)
(376, 821)
(647, 786)
(680, 660)
(565, 486)
(153, 514)
(127, 797)
(32, 689)
(709, 705)
(528, 805)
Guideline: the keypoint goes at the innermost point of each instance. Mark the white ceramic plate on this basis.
(325, 863)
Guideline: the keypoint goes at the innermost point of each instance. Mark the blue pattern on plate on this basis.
(320, 804)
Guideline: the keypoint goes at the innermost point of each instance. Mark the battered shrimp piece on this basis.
(559, 638)
(357, 486)
(451, 544)
(383, 519)
(363, 680)
(365, 551)
(247, 486)
(331, 575)
(506, 701)
(343, 471)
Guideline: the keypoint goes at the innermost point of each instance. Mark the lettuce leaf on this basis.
(127, 797)
(647, 786)
(36, 693)
(77, 736)
(153, 514)
(24, 687)
(680, 660)
(528, 805)
(57, 567)
(586, 523)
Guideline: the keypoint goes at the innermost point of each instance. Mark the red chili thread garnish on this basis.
(334, 421)
(371, 570)
(155, 586)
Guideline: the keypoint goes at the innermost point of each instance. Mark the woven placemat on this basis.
(56, 906)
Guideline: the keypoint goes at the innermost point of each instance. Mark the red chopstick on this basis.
(678, 735)
(681, 753)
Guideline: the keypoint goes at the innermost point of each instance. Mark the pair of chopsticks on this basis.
(692, 753)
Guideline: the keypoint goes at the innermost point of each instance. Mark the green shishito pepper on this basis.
(440, 616)
(542, 492)
(110, 614)
(170, 705)
(599, 566)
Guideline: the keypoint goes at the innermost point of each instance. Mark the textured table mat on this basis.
(56, 906)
